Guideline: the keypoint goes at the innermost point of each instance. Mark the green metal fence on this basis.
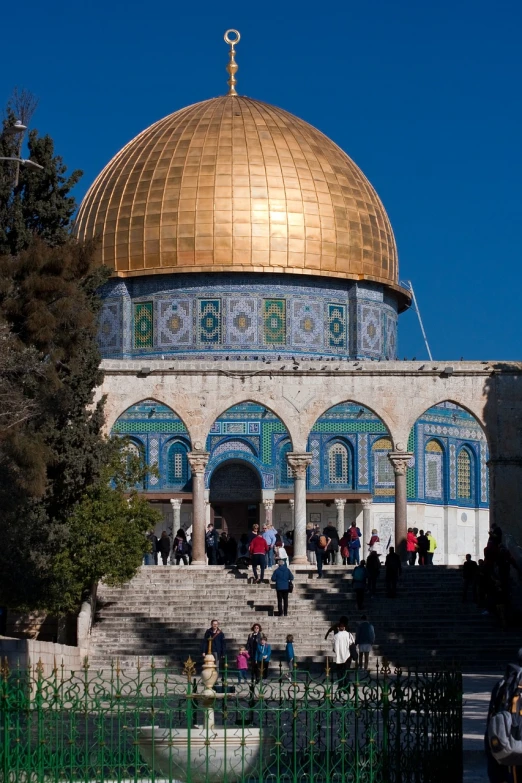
(153, 724)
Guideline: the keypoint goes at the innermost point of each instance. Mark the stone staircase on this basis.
(164, 612)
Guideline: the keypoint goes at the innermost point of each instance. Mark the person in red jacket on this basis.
(258, 549)
(411, 546)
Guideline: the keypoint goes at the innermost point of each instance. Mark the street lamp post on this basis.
(18, 128)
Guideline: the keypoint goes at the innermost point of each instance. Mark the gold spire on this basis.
(232, 65)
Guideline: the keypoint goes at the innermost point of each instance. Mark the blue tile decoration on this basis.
(337, 325)
(252, 433)
(370, 327)
(307, 326)
(110, 331)
(174, 322)
(209, 321)
(248, 315)
(241, 321)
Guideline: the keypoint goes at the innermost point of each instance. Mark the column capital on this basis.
(298, 463)
(340, 502)
(400, 460)
(366, 502)
(291, 502)
(198, 461)
(268, 503)
(176, 502)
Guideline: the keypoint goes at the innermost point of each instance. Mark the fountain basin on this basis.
(214, 753)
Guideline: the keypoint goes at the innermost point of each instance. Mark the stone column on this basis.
(366, 504)
(298, 464)
(339, 505)
(176, 514)
(399, 460)
(198, 462)
(269, 508)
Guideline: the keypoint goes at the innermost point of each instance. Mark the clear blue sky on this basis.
(425, 96)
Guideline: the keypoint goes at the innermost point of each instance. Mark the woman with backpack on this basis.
(321, 542)
(180, 548)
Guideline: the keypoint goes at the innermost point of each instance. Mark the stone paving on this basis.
(477, 690)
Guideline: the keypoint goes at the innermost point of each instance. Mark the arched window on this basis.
(285, 471)
(433, 469)
(177, 464)
(464, 474)
(384, 477)
(338, 464)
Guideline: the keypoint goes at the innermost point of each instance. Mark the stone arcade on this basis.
(249, 342)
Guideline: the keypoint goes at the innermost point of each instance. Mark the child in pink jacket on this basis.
(242, 665)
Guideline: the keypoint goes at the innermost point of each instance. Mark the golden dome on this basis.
(232, 184)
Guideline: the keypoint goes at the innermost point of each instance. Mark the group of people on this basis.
(180, 550)
(326, 547)
(253, 657)
(489, 580)
(349, 647)
(420, 544)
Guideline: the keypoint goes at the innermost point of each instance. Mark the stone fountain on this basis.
(207, 753)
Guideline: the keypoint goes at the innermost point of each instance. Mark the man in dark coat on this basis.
(393, 571)
(423, 546)
(282, 577)
(469, 576)
(164, 547)
(218, 646)
(211, 544)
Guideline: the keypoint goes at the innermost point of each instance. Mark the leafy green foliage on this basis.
(106, 537)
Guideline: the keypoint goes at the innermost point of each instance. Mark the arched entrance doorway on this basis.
(235, 494)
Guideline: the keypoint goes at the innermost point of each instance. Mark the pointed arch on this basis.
(353, 427)
(250, 431)
(155, 425)
(436, 439)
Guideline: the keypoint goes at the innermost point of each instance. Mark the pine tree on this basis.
(39, 204)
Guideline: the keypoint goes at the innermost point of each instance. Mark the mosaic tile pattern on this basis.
(411, 490)
(370, 329)
(251, 432)
(209, 321)
(174, 322)
(453, 471)
(484, 476)
(307, 327)
(274, 321)
(464, 470)
(338, 464)
(224, 316)
(232, 445)
(363, 476)
(110, 332)
(241, 321)
(433, 474)
(337, 331)
(143, 325)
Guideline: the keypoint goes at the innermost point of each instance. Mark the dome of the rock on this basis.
(233, 184)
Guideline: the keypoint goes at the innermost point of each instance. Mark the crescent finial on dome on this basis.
(232, 66)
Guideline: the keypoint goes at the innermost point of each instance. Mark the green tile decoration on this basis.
(143, 325)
